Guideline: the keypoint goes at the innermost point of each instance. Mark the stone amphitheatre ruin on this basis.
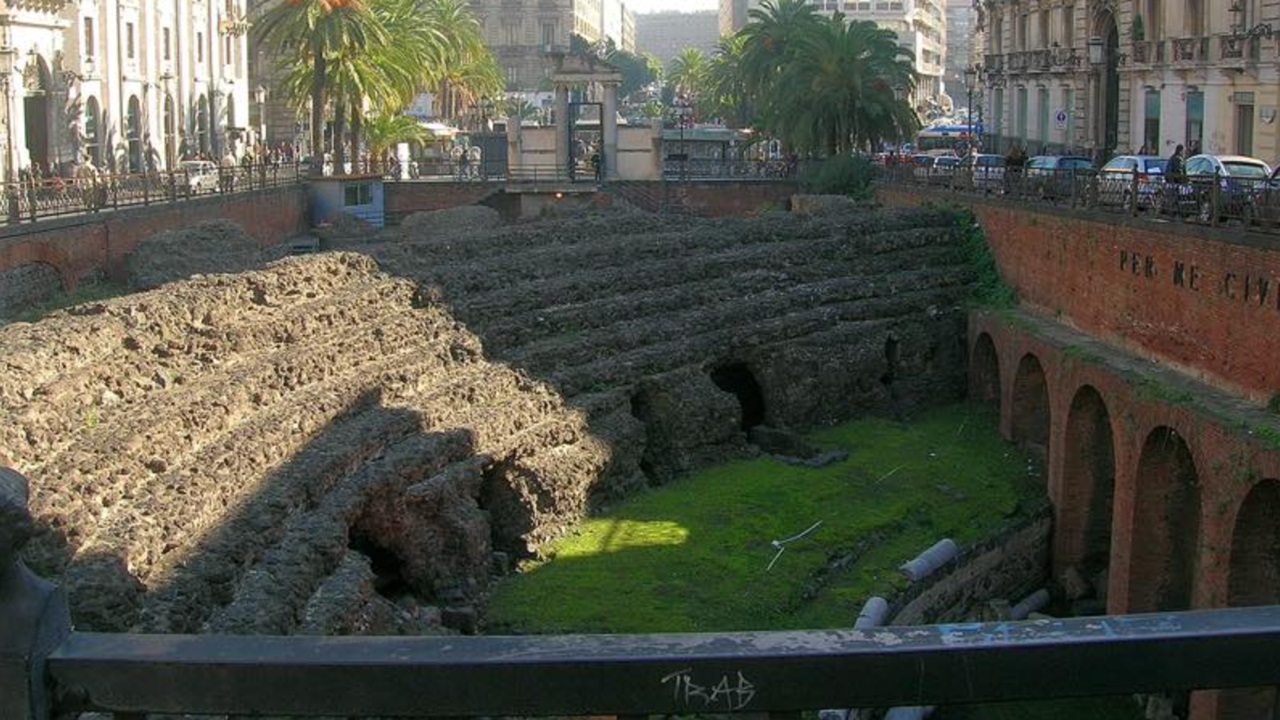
(349, 442)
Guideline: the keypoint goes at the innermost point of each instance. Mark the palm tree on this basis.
(769, 38)
(462, 69)
(688, 74)
(725, 83)
(385, 131)
(311, 33)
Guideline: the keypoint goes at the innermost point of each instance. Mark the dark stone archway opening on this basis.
(1088, 485)
(737, 379)
(1166, 525)
(984, 372)
(1254, 580)
(1030, 410)
(388, 575)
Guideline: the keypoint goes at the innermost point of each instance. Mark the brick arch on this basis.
(1166, 524)
(45, 253)
(1254, 580)
(1029, 407)
(1087, 488)
(984, 371)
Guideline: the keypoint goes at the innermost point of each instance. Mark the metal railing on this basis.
(1206, 200)
(47, 670)
(714, 168)
(36, 198)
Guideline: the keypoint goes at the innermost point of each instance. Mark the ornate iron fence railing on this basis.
(38, 198)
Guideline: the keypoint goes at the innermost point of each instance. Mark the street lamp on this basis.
(683, 107)
(1096, 51)
(970, 76)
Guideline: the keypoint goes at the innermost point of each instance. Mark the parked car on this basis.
(1051, 176)
(1266, 201)
(201, 176)
(943, 170)
(1222, 186)
(922, 167)
(1123, 174)
(980, 171)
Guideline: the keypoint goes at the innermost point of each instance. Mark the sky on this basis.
(647, 6)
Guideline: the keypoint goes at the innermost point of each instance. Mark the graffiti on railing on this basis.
(726, 694)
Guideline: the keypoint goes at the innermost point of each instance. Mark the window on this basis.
(1043, 40)
(227, 49)
(89, 48)
(1151, 120)
(1195, 18)
(511, 32)
(165, 44)
(997, 111)
(1068, 26)
(1020, 41)
(548, 34)
(199, 47)
(1195, 116)
(128, 41)
(357, 194)
(1153, 25)
(1042, 99)
(1020, 127)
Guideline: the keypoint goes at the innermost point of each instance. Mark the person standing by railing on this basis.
(1175, 173)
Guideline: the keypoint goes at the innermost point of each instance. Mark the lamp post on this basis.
(970, 75)
(683, 108)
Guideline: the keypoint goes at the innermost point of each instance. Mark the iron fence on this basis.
(1214, 200)
(677, 168)
(38, 198)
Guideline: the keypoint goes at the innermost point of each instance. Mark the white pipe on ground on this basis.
(873, 613)
(924, 564)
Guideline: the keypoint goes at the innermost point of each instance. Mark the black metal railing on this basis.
(1206, 199)
(676, 168)
(47, 670)
(36, 198)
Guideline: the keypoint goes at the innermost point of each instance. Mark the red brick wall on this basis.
(85, 246)
(1204, 300)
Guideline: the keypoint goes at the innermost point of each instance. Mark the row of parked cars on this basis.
(1212, 186)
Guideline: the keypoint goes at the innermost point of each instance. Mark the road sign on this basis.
(1060, 119)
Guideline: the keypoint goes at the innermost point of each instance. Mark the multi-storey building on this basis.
(961, 45)
(123, 84)
(664, 34)
(1108, 76)
(520, 33)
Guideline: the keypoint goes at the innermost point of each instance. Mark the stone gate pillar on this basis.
(609, 131)
(562, 127)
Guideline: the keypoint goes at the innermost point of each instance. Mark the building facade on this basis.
(961, 46)
(520, 33)
(1114, 76)
(127, 85)
(664, 34)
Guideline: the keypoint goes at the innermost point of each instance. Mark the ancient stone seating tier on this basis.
(344, 443)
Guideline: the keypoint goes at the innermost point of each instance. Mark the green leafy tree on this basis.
(727, 88)
(312, 34)
(384, 132)
(844, 86)
(688, 72)
(638, 71)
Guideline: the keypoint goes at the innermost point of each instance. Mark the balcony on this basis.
(993, 62)
(1018, 62)
(1191, 50)
(1040, 60)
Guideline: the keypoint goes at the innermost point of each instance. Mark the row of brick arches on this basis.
(1171, 506)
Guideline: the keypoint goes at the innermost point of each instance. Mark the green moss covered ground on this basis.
(695, 555)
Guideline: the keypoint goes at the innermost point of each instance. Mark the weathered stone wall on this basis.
(26, 285)
(328, 445)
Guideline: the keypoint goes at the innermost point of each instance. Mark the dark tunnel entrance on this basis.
(737, 379)
(388, 579)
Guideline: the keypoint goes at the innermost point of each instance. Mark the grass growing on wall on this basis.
(694, 556)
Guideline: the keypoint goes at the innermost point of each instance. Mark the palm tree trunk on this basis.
(318, 79)
(356, 126)
(339, 132)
